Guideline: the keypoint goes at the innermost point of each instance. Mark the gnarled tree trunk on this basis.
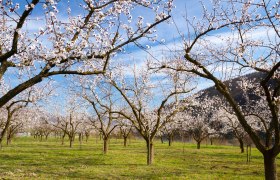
(71, 139)
(4, 131)
(241, 145)
(211, 141)
(9, 139)
(161, 139)
(87, 136)
(270, 166)
(170, 139)
(124, 141)
(105, 145)
(63, 137)
(150, 152)
(198, 144)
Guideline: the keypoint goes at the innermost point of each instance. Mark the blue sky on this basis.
(135, 55)
(166, 31)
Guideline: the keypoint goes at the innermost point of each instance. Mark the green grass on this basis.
(28, 159)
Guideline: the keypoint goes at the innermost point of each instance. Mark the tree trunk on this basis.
(105, 146)
(124, 141)
(270, 166)
(161, 139)
(150, 152)
(80, 138)
(71, 141)
(7, 125)
(170, 139)
(241, 145)
(9, 140)
(211, 141)
(198, 145)
(62, 139)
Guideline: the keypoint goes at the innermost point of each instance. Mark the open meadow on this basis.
(27, 158)
(151, 69)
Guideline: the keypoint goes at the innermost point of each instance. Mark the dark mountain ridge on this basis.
(235, 89)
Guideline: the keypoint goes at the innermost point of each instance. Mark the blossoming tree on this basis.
(232, 39)
(78, 37)
(150, 103)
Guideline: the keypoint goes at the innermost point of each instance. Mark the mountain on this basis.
(235, 89)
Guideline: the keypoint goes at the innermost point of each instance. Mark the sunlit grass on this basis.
(27, 158)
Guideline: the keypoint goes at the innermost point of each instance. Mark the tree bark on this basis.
(198, 145)
(9, 140)
(7, 125)
(270, 166)
(62, 139)
(150, 152)
(9, 137)
(80, 138)
(71, 141)
(124, 141)
(170, 139)
(241, 145)
(105, 146)
(87, 136)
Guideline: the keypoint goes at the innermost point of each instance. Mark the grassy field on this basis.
(28, 159)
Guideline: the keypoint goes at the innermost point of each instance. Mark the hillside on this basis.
(234, 88)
